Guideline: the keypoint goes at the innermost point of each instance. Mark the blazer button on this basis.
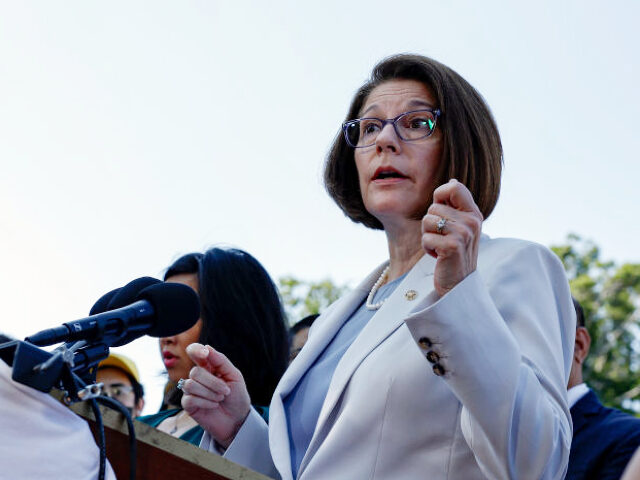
(433, 357)
(425, 343)
(438, 370)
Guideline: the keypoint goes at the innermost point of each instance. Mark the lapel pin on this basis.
(410, 295)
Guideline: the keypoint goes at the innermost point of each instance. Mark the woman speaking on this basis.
(451, 359)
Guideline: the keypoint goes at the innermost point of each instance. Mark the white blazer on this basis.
(503, 337)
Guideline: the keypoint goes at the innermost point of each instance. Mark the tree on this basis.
(610, 297)
(302, 298)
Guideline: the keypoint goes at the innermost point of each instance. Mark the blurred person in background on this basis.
(241, 315)
(604, 439)
(121, 381)
(299, 334)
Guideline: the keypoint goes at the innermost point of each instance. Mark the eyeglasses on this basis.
(117, 391)
(409, 126)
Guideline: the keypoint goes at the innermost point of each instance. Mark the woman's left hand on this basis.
(454, 244)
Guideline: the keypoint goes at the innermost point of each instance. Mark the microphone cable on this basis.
(114, 404)
(109, 402)
(78, 384)
(101, 439)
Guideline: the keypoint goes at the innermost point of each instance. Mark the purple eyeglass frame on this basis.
(393, 121)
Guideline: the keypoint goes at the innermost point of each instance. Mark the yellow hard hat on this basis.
(116, 360)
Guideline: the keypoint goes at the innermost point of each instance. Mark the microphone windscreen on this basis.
(129, 293)
(126, 296)
(102, 304)
(176, 306)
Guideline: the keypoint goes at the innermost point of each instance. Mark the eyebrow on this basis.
(412, 104)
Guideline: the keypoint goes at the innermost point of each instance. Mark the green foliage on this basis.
(301, 298)
(610, 296)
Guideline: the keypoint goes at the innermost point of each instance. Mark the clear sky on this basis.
(133, 132)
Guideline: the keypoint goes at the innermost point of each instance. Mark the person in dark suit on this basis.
(604, 439)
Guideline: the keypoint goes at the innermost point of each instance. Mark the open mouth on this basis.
(383, 173)
(169, 359)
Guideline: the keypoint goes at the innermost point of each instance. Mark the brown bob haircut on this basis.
(472, 151)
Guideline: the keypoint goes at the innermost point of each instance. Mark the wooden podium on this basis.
(159, 456)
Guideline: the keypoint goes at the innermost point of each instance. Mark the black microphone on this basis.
(160, 310)
(103, 302)
(121, 297)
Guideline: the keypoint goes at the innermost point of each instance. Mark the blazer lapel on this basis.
(323, 331)
(389, 318)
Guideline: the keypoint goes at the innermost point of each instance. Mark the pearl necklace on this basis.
(374, 289)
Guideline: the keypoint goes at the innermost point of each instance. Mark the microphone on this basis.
(159, 310)
(121, 297)
(103, 302)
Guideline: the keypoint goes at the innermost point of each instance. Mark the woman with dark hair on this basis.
(240, 316)
(450, 360)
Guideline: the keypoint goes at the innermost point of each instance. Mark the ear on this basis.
(583, 343)
(139, 406)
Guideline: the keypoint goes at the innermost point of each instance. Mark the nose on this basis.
(388, 140)
(167, 340)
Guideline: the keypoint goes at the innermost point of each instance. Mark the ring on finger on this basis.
(180, 384)
(440, 225)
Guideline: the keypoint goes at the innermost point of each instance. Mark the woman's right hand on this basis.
(215, 394)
